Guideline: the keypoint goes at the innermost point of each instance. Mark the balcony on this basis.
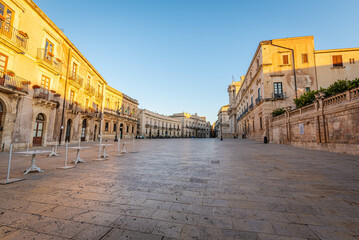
(258, 100)
(48, 61)
(279, 95)
(251, 107)
(44, 97)
(13, 84)
(90, 90)
(73, 107)
(90, 112)
(13, 38)
(98, 95)
(76, 80)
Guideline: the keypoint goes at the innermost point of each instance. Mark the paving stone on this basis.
(252, 225)
(173, 190)
(119, 234)
(144, 225)
(168, 229)
(99, 218)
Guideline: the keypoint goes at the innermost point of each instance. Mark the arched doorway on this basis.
(38, 130)
(158, 133)
(68, 131)
(121, 130)
(83, 130)
(94, 133)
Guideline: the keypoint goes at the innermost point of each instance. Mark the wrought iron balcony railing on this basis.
(42, 93)
(258, 100)
(251, 106)
(279, 95)
(90, 89)
(12, 82)
(17, 37)
(49, 59)
(76, 79)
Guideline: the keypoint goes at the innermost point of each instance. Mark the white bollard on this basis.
(8, 179)
(133, 146)
(99, 159)
(66, 167)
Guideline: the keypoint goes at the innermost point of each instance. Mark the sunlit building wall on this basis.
(48, 89)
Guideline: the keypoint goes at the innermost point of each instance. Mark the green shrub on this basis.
(305, 99)
(337, 87)
(278, 111)
(354, 83)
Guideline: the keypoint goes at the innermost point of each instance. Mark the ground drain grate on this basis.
(215, 161)
(198, 180)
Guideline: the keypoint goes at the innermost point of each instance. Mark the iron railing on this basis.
(278, 95)
(258, 100)
(19, 38)
(46, 57)
(42, 93)
(90, 89)
(76, 79)
(12, 82)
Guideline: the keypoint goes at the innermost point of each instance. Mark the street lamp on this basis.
(117, 112)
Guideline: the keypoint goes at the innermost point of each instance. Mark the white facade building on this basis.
(154, 125)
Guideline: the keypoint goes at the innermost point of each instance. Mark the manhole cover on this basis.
(215, 161)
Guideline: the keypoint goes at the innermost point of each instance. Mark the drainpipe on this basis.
(64, 102)
(295, 76)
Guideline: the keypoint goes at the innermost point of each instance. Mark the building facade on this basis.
(280, 71)
(120, 115)
(232, 90)
(224, 123)
(48, 90)
(154, 125)
(193, 125)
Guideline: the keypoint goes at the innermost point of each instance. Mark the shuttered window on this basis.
(337, 61)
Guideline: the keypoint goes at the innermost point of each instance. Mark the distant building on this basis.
(193, 125)
(223, 123)
(120, 115)
(156, 125)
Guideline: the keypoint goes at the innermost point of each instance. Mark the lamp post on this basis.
(117, 112)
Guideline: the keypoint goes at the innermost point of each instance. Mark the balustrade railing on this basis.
(77, 79)
(13, 82)
(17, 37)
(48, 58)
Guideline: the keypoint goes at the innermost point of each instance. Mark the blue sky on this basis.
(180, 55)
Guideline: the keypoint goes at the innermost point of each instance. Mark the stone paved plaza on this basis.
(185, 189)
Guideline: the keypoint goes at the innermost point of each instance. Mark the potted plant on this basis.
(26, 82)
(24, 34)
(2, 18)
(18, 88)
(57, 95)
(53, 91)
(58, 59)
(10, 73)
(35, 87)
(50, 54)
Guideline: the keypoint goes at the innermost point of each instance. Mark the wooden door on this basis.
(83, 130)
(38, 130)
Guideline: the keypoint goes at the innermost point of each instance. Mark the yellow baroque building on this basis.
(48, 90)
(280, 71)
